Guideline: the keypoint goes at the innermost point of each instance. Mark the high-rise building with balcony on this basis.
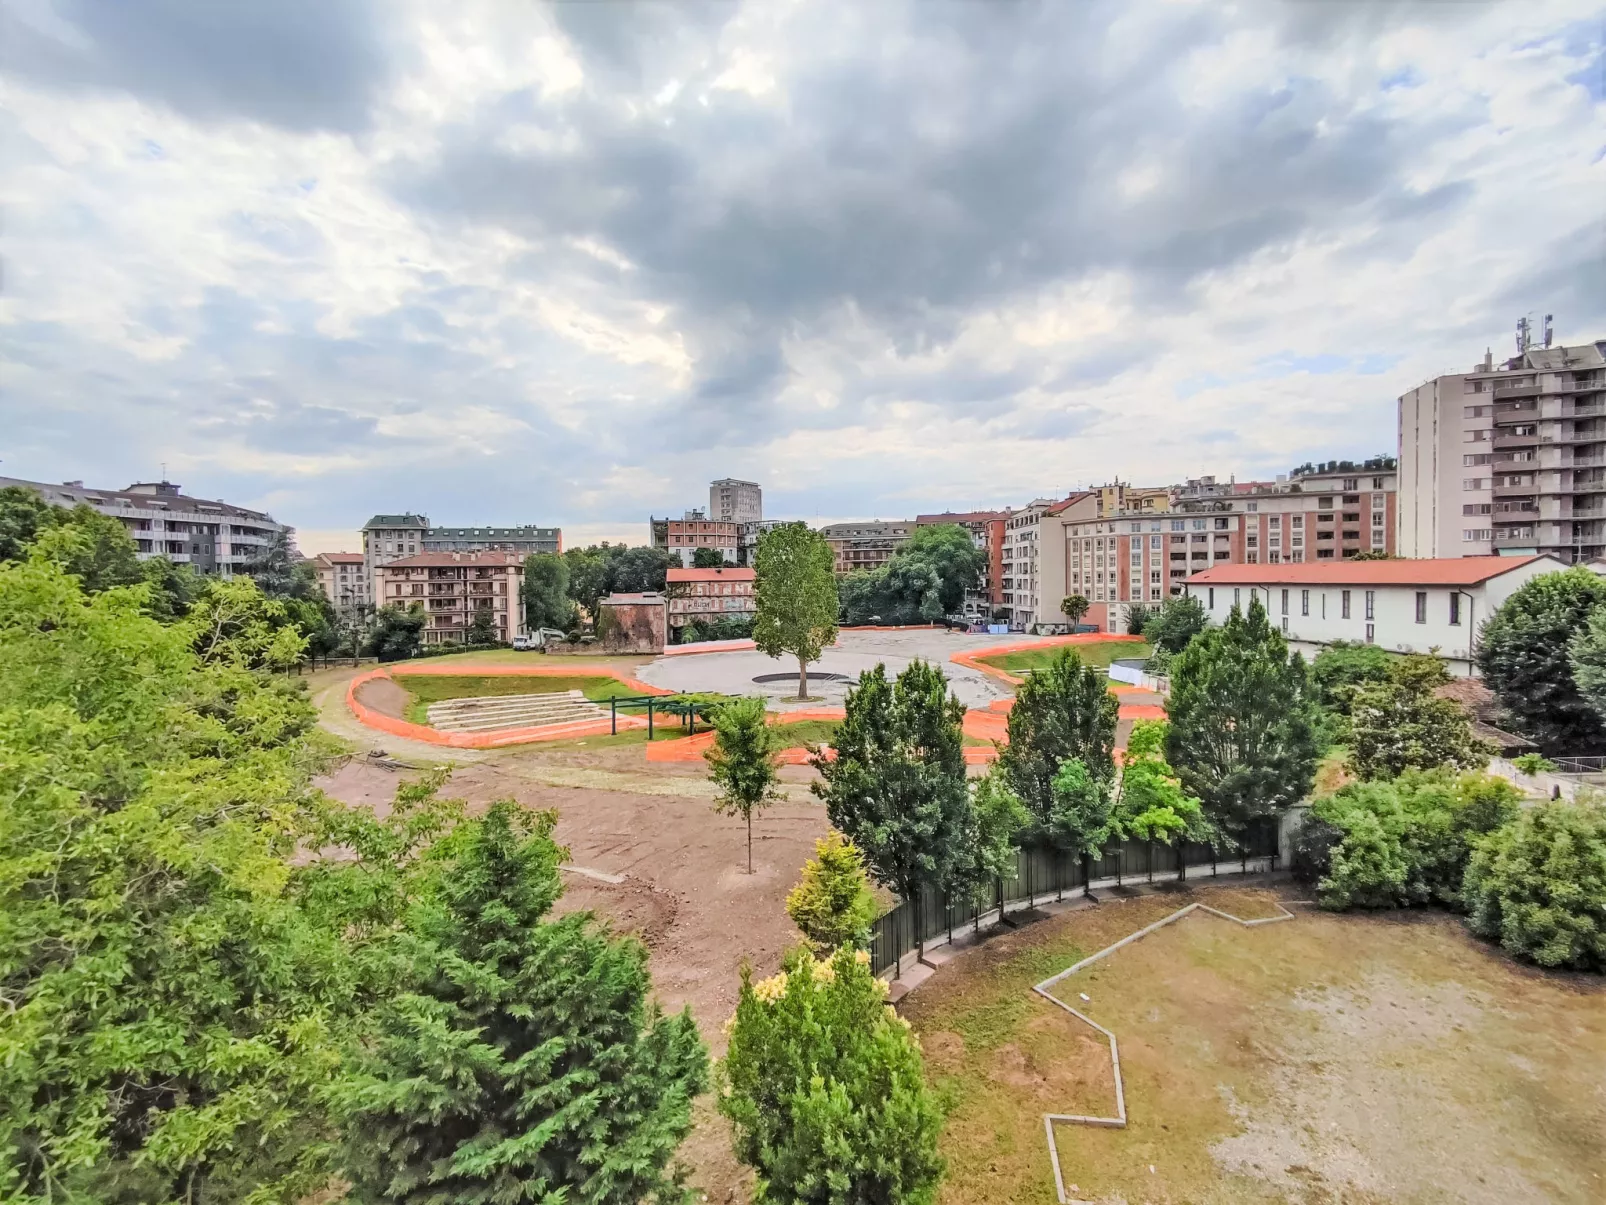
(212, 537)
(733, 501)
(1507, 458)
(455, 589)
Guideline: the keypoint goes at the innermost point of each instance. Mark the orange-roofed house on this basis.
(703, 595)
(1405, 606)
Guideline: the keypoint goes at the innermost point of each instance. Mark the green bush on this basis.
(824, 1086)
(1395, 843)
(831, 903)
(1343, 667)
(1538, 886)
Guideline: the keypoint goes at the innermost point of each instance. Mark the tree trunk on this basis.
(802, 680)
(749, 842)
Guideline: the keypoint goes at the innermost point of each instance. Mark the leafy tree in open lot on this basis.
(233, 620)
(1391, 843)
(831, 903)
(741, 761)
(1177, 621)
(545, 592)
(707, 558)
(24, 513)
(397, 632)
(825, 1088)
(1062, 712)
(1400, 724)
(1342, 668)
(950, 552)
(602, 569)
(897, 788)
(481, 629)
(169, 1006)
(1242, 734)
(796, 597)
(524, 1060)
(1538, 885)
(1524, 654)
(1151, 804)
(1073, 607)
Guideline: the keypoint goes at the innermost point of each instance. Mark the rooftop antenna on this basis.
(164, 472)
(1524, 335)
(1548, 335)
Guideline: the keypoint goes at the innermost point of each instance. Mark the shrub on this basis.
(1400, 842)
(1342, 668)
(1400, 724)
(832, 904)
(824, 1086)
(1538, 885)
(1533, 763)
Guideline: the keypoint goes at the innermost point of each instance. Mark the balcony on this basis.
(1516, 389)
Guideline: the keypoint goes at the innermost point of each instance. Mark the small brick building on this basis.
(633, 623)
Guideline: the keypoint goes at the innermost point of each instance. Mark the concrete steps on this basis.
(495, 712)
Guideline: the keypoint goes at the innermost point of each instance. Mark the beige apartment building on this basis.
(343, 578)
(1033, 563)
(454, 588)
(1507, 458)
(870, 545)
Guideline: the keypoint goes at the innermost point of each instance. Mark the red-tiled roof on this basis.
(969, 516)
(1437, 571)
(340, 558)
(441, 560)
(1061, 506)
(730, 573)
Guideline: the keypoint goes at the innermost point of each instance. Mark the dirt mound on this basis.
(385, 697)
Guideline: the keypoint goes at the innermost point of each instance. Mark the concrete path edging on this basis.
(1119, 1120)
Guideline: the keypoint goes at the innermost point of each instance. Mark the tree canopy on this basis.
(925, 580)
(741, 763)
(1175, 623)
(796, 597)
(1400, 724)
(1062, 712)
(1242, 735)
(602, 569)
(545, 592)
(1524, 654)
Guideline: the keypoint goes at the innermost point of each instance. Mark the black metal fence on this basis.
(1043, 874)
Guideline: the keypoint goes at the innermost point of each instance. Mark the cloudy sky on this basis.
(500, 262)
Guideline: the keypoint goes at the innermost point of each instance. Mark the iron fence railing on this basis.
(1043, 874)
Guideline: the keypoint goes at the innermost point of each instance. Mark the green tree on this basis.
(950, 552)
(235, 623)
(896, 787)
(1342, 668)
(524, 1061)
(1174, 625)
(1150, 803)
(1062, 712)
(396, 633)
(93, 547)
(824, 1086)
(707, 558)
(481, 629)
(1138, 617)
(1079, 819)
(174, 588)
(23, 515)
(1401, 724)
(280, 572)
(1073, 607)
(831, 903)
(741, 761)
(1524, 655)
(171, 1011)
(545, 592)
(1538, 885)
(1586, 656)
(796, 596)
(1242, 735)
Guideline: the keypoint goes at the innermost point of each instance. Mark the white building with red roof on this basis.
(1405, 606)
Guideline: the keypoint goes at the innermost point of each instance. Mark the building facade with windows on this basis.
(1312, 516)
(163, 521)
(684, 536)
(1034, 569)
(856, 546)
(734, 501)
(343, 578)
(1405, 606)
(704, 595)
(525, 540)
(1507, 458)
(455, 588)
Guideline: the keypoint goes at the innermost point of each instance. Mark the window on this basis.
(1221, 524)
(1343, 604)
(1304, 602)
(1468, 462)
(1251, 507)
(1324, 503)
(1212, 606)
(1251, 541)
(1237, 596)
(1198, 525)
(1274, 522)
(1179, 525)
(1477, 533)
(1350, 482)
(1474, 411)
(1455, 608)
(1297, 521)
(1477, 437)
(1377, 483)
(1370, 632)
(1421, 606)
(1285, 602)
(1371, 604)
(1474, 483)
(1135, 527)
(1379, 501)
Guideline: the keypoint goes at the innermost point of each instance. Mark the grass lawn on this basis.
(806, 732)
(432, 688)
(1099, 654)
(1366, 1058)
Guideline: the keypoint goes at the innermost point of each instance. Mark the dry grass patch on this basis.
(1327, 1059)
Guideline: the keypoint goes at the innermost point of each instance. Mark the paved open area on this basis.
(855, 651)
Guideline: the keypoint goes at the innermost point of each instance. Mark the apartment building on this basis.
(455, 588)
(986, 529)
(163, 521)
(1033, 566)
(733, 501)
(1430, 605)
(1123, 498)
(525, 540)
(684, 536)
(865, 545)
(343, 578)
(1507, 458)
(387, 538)
(749, 533)
(701, 595)
(1321, 512)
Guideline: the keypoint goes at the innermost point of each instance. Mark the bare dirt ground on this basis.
(685, 890)
(386, 697)
(1356, 1059)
